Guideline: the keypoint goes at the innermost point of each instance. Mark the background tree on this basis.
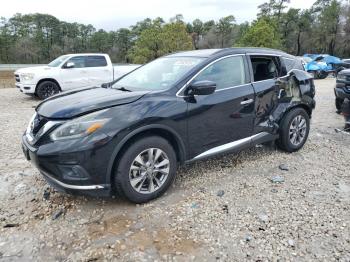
(39, 38)
(261, 34)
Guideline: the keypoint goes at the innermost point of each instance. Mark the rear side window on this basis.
(96, 61)
(265, 68)
(291, 64)
(227, 72)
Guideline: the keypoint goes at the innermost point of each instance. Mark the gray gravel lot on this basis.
(229, 209)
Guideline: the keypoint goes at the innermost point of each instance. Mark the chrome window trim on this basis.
(227, 88)
(231, 87)
(200, 71)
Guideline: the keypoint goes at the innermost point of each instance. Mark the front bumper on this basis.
(340, 91)
(26, 88)
(66, 175)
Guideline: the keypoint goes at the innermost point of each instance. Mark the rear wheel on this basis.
(294, 130)
(46, 89)
(145, 170)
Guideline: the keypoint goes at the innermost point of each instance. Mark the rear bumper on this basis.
(26, 88)
(60, 176)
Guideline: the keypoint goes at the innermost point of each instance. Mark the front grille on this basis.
(38, 123)
(17, 78)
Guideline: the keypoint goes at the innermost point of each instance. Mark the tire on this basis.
(129, 168)
(338, 104)
(46, 89)
(322, 75)
(292, 139)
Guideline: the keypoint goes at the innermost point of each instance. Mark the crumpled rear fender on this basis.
(296, 89)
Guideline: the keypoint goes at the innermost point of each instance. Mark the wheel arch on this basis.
(306, 107)
(156, 129)
(47, 79)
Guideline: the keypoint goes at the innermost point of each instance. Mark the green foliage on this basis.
(38, 38)
(261, 34)
(158, 40)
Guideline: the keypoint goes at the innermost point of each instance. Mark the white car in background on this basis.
(68, 72)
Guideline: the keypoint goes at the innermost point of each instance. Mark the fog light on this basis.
(73, 173)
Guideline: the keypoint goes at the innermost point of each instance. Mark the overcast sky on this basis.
(113, 14)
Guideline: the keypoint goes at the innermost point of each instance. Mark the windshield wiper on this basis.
(123, 89)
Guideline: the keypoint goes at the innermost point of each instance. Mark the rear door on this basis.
(75, 76)
(98, 70)
(265, 71)
(226, 115)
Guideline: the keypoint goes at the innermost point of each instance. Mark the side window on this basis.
(227, 72)
(79, 61)
(96, 61)
(289, 63)
(265, 68)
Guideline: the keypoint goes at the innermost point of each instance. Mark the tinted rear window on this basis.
(96, 61)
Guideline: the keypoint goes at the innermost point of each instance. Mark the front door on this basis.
(76, 76)
(225, 116)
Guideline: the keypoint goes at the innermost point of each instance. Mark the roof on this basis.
(226, 51)
(84, 54)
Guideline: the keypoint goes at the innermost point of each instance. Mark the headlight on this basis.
(341, 77)
(80, 127)
(27, 76)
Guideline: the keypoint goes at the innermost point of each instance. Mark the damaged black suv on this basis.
(128, 137)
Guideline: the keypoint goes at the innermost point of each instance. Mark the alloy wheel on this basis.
(149, 171)
(297, 130)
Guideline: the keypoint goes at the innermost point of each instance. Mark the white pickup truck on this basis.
(68, 72)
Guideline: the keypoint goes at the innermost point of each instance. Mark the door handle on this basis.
(247, 101)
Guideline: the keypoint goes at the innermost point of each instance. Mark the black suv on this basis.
(342, 89)
(130, 137)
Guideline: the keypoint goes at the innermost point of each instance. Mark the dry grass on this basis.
(7, 79)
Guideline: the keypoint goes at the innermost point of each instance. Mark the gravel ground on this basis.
(230, 208)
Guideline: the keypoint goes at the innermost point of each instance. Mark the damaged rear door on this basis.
(277, 89)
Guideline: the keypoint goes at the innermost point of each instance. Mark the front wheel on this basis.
(145, 170)
(46, 89)
(294, 130)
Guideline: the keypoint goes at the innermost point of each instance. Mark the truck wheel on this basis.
(46, 89)
(294, 130)
(322, 75)
(338, 104)
(145, 170)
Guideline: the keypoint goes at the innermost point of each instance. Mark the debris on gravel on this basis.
(283, 167)
(220, 193)
(57, 214)
(277, 179)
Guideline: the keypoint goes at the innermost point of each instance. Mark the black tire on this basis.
(285, 140)
(46, 89)
(122, 175)
(338, 104)
(322, 75)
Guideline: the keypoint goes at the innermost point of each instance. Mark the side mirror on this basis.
(201, 88)
(69, 65)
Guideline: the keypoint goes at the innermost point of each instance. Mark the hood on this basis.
(344, 72)
(34, 69)
(82, 101)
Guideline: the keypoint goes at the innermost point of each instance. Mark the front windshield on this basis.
(58, 61)
(159, 74)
